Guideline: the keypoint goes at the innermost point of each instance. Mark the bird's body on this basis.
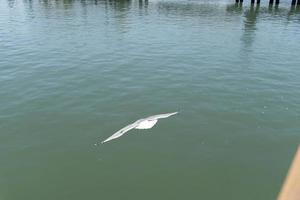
(145, 123)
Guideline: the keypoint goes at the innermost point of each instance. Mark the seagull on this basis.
(145, 123)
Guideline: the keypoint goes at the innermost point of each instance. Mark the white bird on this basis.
(145, 123)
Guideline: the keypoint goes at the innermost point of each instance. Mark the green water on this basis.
(74, 72)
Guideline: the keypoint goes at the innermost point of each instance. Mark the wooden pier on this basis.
(271, 2)
(291, 186)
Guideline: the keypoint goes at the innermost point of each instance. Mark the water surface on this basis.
(74, 72)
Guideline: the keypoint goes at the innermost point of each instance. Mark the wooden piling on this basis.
(291, 186)
(293, 2)
(276, 2)
(252, 1)
(257, 1)
(271, 2)
(298, 2)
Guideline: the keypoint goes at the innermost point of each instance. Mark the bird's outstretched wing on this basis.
(146, 123)
(160, 116)
(121, 132)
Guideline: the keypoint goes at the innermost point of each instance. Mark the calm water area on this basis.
(72, 72)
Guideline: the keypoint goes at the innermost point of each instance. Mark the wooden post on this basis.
(252, 1)
(291, 186)
(276, 2)
(257, 1)
(293, 2)
(271, 2)
(236, 1)
(298, 2)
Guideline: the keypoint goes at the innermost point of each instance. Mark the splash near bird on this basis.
(145, 123)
